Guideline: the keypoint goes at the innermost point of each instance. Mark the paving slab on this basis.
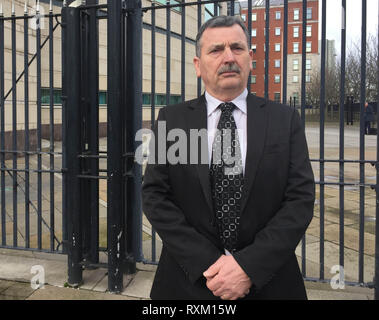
(56, 293)
(92, 277)
(19, 268)
(329, 295)
(18, 290)
(140, 286)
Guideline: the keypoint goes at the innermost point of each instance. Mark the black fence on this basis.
(31, 215)
(76, 167)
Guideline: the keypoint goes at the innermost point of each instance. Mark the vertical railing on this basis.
(39, 134)
(2, 128)
(285, 50)
(116, 105)
(26, 136)
(153, 233)
(376, 277)
(71, 105)
(322, 135)
(134, 123)
(267, 48)
(14, 125)
(303, 97)
(362, 145)
(342, 140)
(51, 120)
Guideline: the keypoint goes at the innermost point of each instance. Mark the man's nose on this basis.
(228, 55)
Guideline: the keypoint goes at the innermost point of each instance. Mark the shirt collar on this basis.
(213, 103)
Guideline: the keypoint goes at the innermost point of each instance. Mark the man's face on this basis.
(225, 61)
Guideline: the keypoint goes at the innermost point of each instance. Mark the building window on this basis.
(103, 98)
(308, 64)
(277, 47)
(277, 96)
(307, 78)
(243, 17)
(277, 78)
(296, 14)
(277, 15)
(309, 47)
(309, 13)
(160, 99)
(309, 31)
(178, 9)
(254, 48)
(295, 79)
(296, 32)
(295, 47)
(254, 93)
(295, 64)
(253, 79)
(277, 31)
(277, 63)
(45, 96)
(253, 32)
(254, 64)
(253, 17)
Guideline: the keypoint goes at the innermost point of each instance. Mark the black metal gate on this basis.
(58, 210)
(122, 173)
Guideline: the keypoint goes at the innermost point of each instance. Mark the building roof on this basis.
(262, 3)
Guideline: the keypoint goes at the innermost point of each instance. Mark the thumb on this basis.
(212, 270)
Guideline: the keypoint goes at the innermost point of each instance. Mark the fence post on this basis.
(115, 145)
(72, 104)
(134, 123)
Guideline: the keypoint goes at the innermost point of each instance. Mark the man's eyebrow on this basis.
(217, 46)
(238, 43)
(222, 45)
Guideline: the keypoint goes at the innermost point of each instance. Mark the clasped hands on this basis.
(226, 279)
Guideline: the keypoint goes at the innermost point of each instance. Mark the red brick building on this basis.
(294, 46)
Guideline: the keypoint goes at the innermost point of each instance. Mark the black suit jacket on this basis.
(277, 205)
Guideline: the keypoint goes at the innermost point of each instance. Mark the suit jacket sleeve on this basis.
(277, 241)
(191, 250)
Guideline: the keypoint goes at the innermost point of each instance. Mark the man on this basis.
(233, 234)
(368, 117)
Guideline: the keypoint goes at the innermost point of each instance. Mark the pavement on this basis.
(18, 281)
(16, 265)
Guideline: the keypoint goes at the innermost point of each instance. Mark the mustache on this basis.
(229, 68)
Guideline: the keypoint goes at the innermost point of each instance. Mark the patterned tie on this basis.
(227, 177)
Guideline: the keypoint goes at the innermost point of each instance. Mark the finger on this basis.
(214, 284)
(225, 297)
(219, 292)
(212, 270)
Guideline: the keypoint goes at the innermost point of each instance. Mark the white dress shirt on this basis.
(240, 117)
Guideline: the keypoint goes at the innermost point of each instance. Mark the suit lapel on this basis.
(197, 119)
(256, 134)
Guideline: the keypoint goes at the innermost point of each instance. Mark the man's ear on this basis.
(251, 60)
(196, 63)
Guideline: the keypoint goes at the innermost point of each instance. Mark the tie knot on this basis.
(227, 107)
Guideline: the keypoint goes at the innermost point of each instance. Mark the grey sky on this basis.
(353, 20)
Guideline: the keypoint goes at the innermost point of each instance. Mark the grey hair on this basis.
(218, 22)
